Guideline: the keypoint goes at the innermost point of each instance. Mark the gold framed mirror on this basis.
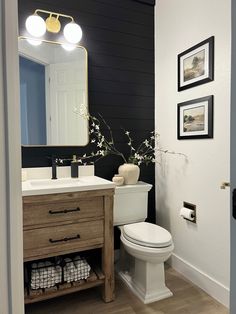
(53, 93)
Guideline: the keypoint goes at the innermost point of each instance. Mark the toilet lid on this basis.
(147, 234)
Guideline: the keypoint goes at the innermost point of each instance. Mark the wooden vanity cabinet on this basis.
(63, 223)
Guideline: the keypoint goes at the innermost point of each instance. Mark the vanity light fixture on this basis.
(37, 26)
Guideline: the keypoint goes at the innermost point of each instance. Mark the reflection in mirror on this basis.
(53, 94)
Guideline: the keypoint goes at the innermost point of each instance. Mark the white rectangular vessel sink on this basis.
(63, 185)
(56, 182)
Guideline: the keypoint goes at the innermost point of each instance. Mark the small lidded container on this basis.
(118, 179)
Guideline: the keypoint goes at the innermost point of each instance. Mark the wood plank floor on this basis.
(187, 299)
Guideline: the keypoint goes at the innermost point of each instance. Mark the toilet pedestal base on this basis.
(147, 281)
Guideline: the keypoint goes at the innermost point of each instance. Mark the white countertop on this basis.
(63, 185)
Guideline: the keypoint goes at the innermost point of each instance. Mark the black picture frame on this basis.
(195, 118)
(201, 59)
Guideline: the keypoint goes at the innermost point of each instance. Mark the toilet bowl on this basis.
(150, 246)
(144, 246)
(147, 241)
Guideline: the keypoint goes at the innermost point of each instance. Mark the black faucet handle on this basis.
(56, 161)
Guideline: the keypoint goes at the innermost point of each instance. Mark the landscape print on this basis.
(194, 66)
(194, 119)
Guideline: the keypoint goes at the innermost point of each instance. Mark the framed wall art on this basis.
(196, 65)
(195, 118)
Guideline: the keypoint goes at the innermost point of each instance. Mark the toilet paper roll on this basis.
(187, 213)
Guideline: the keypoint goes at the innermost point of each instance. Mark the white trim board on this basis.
(213, 287)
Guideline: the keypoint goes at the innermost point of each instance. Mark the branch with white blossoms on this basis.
(148, 150)
(104, 146)
(145, 153)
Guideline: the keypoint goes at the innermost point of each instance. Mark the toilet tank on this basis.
(131, 203)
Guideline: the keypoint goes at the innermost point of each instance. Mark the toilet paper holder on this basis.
(192, 207)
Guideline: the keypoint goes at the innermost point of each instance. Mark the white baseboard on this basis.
(201, 279)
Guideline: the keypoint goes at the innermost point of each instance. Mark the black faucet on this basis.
(55, 162)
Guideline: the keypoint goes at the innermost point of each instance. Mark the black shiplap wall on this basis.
(119, 37)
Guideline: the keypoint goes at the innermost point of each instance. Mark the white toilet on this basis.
(144, 246)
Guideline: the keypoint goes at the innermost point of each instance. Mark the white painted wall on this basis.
(201, 251)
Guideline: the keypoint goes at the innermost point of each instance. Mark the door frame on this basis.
(11, 231)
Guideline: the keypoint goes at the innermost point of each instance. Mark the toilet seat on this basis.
(147, 234)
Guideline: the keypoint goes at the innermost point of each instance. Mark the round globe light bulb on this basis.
(34, 42)
(68, 47)
(72, 32)
(35, 25)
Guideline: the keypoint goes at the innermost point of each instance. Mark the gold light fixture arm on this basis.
(54, 13)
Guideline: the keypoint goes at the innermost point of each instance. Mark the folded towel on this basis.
(45, 275)
(77, 270)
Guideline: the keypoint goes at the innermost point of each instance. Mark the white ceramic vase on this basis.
(130, 172)
(118, 179)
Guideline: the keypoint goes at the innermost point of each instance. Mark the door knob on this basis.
(224, 185)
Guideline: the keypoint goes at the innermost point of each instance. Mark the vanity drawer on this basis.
(49, 241)
(35, 214)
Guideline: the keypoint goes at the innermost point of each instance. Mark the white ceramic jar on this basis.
(130, 172)
(118, 179)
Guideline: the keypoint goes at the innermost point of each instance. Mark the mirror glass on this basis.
(53, 94)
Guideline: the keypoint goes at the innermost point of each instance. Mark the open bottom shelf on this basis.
(96, 278)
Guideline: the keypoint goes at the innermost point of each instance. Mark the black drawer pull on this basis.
(65, 239)
(64, 211)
